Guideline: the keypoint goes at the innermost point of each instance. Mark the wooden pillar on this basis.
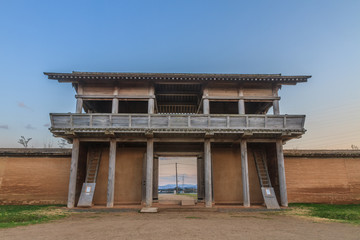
(151, 106)
(151, 99)
(276, 107)
(200, 178)
(206, 103)
(115, 105)
(281, 171)
(241, 106)
(149, 171)
(79, 105)
(245, 173)
(143, 181)
(79, 100)
(241, 101)
(73, 173)
(156, 178)
(207, 169)
(111, 174)
(206, 106)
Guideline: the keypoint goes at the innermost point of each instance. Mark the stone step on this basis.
(188, 202)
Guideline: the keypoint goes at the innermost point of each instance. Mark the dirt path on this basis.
(183, 225)
(170, 197)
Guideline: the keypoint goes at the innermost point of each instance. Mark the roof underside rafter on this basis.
(104, 76)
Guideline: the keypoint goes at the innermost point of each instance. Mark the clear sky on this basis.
(319, 38)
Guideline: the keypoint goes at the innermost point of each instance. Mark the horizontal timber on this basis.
(115, 96)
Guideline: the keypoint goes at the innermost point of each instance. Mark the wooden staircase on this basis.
(264, 179)
(88, 188)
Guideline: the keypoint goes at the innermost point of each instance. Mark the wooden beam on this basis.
(171, 154)
(281, 172)
(247, 98)
(111, 174)
(111, 96)
(245, 173)
(207, 170)
(149, 172)
(73, 173)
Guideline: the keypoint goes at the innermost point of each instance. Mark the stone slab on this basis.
(149, 210)
(187, 202)
(270, 198)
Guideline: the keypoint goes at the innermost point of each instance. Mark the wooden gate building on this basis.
(125, 121)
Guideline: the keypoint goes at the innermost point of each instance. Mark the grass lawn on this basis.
(19, 215)
(345, 213)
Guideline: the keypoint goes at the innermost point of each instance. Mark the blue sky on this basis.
(320, 38)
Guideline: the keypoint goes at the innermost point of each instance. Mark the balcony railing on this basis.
(176, 121)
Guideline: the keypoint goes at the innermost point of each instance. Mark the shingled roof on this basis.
(83, 76)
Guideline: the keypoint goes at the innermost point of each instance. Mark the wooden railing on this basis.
(172, 121)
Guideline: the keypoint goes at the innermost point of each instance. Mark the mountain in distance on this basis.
(172, 186)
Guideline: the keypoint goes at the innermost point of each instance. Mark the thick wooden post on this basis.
(241, 101)
(73, 173)
(143, 181)
(276, 107)
(79, 100)
(241, 106)
(281, 171)
(200, 178)
(111, 174)
(151, 100)
(156, 178)
(245, 173)
(207, 169)
(149, 171)
(115, 105)
(206, 103)
(79, 105)
(206, 106)
(151, 106)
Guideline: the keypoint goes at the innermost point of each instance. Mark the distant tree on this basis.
(62, 143)
(354, 147)
(24, 141)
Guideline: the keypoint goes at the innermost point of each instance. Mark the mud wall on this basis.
(38, 176)
(227, 178)
(128, 176)
(34, 178)
(323, 176)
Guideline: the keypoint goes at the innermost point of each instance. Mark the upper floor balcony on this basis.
(104, 124)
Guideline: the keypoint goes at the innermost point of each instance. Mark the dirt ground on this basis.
(170, 224)
(171, 197)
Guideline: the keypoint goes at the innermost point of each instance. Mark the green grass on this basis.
(193, 195)
(20, 215)
(191, 217)
(345, 213)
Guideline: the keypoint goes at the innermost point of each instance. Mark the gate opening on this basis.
(177, 180)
